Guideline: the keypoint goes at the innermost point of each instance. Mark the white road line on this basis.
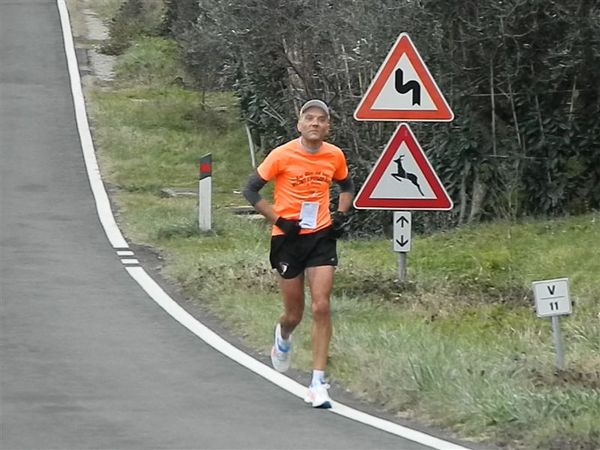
(130, 261)
(87, 145)
(125, 253)
(169, 305)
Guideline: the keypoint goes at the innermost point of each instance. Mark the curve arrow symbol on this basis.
(412, 85)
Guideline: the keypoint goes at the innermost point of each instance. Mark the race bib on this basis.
(308, 215)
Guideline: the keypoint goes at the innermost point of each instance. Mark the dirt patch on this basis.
(89, 33)
(574, 443)
(569, 377)
(102, 66)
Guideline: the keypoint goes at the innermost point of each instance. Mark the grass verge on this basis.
(458, 346)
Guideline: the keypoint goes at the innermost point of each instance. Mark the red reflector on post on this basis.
(205, 165)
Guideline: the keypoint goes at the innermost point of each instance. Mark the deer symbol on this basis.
(402, 174)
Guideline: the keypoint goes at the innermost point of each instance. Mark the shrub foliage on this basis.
(521, 77)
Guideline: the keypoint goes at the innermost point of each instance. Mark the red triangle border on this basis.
(365, 110)
(364, 199)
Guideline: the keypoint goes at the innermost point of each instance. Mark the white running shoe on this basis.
(318, 396)
(281, 356)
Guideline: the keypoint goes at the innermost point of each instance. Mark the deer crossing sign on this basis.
(402, 178)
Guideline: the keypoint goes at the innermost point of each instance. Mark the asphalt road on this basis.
(88, 360)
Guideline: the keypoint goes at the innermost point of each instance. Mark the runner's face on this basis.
(313, 125)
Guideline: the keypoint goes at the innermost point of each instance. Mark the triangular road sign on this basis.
(403, 178)
(404, 90)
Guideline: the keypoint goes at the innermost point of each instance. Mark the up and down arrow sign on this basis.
(402, 231)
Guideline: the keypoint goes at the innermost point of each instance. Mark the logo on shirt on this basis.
(310, 177)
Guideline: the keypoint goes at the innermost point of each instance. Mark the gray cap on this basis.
(315, 104)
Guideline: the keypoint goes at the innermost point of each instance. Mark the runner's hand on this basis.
(339, 221)
(290, 227)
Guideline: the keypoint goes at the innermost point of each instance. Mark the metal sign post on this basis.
(558, 347)
(205, 193)
(552, 300)
(402, 240)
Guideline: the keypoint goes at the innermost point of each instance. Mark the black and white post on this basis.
(205, 193)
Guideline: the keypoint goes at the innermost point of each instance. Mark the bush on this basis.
(133, 19)
(150, 60)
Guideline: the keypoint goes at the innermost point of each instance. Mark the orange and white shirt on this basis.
(301, 176)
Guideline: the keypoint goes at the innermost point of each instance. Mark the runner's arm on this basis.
(251, 193)
(346, 194)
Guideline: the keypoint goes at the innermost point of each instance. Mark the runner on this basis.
(304, 234)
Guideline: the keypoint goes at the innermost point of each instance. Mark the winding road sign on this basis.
(404, 89)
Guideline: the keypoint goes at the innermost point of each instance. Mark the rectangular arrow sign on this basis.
(402, 231)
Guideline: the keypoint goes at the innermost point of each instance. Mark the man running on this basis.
(304, 234)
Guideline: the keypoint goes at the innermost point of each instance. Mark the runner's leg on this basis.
(292, 291)
(320, 280)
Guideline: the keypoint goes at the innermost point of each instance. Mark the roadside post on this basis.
(552, 300)
(251, 147)
(402, 178)
(205, 193)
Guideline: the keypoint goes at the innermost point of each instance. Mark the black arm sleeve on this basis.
(255, 183)
(346, 185)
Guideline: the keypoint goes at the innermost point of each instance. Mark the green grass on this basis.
(151, 61)
(458, 346)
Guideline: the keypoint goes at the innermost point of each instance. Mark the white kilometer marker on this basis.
(173, 308)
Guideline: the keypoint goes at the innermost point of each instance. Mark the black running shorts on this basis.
(290, 256)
